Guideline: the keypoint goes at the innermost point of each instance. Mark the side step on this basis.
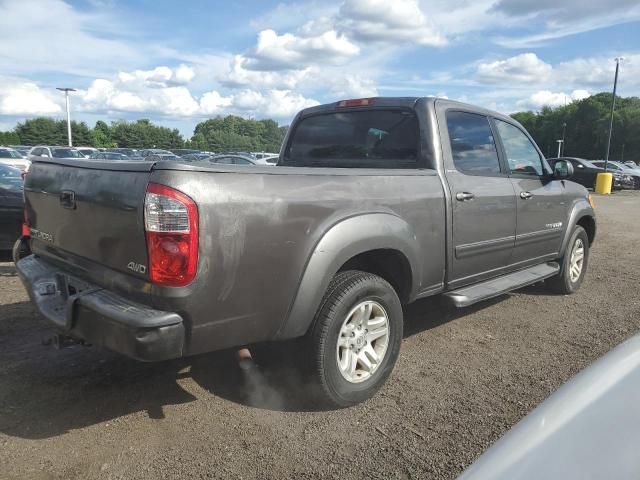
(465, 296)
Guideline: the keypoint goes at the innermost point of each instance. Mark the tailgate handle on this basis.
(68, 199)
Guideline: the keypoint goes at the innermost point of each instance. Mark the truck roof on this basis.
(406, 102)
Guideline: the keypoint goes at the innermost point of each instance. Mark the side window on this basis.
(242, 161)
(225, 160)
(472, 145)
(36, 151)
(522, 156)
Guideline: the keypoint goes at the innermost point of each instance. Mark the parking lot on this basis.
(464, 377)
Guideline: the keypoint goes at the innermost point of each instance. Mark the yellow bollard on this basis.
(604, 181)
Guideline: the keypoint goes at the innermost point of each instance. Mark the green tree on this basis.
(587, 127)
(237, 133)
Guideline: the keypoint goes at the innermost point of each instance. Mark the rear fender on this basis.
(343, 241)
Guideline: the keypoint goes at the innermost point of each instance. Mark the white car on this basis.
(87, 151)
(11, 157)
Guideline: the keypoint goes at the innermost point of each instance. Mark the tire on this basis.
(567, 282)
(20, 250)
(351, 297)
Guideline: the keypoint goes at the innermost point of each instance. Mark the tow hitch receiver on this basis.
(60, 341)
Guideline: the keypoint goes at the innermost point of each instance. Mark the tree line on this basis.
(216, 134)
(586, 128)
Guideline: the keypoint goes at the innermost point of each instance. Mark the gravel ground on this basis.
(464, 377)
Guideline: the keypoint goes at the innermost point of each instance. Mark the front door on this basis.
(482, 197)
(542, 207)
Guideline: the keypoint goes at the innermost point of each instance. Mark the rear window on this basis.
(360, 139)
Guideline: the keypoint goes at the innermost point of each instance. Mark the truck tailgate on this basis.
(92, 210)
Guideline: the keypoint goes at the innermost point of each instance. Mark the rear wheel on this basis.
(573, 265)
(355, 338)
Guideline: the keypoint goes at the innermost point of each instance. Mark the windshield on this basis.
(9, 154)
(360, 139)
(66, 153)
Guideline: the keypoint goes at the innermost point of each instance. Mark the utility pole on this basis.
(613, 107)
(66, 98)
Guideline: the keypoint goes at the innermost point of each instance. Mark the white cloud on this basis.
(290, 51)
(397, 21)
(151, 91)
(352, 86)
(526, 67)
(561, 19)
(51, 35)
(212, 103)
(546, 98)
(273, 103)
(26, 98)
(238, 75)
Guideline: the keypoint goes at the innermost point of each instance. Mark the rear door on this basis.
(542, 207)
(483, 199)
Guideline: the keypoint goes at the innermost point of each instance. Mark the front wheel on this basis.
(573, 265)
(355, 338)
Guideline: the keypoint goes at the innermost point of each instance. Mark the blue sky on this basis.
(180, 62)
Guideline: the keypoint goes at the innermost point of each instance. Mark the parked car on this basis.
(154, 151)
(54, 152)
(11, 206)
(233, 160)
(585, 173)
(181, 152)
(196, 157)
(13, 158)
(22, 149)
(109, 156)
(157, 157)
(617, 167)
(264, 155)
(87, 151)
(132, 153)
(374, 203)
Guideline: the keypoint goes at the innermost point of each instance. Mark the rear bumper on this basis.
(101, 317)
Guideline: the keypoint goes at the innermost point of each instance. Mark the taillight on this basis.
(26, 232)
(356, 102)
(171, 225)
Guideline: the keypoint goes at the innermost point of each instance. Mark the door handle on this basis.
(526, 195)
(463, 196)
(68, 199)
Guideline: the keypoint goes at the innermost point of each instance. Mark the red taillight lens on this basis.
(171, 225)
(356, 102)
(25, 224)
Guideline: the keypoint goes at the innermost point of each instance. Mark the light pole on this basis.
(613, 107)
(560, 142)
(564, 126)
(66, 98)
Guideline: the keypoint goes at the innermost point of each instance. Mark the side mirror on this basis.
(562, 170)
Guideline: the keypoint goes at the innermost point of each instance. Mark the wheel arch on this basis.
(379, 243)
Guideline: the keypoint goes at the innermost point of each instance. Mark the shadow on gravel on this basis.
(46, 392)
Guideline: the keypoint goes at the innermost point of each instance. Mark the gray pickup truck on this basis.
(374, 203)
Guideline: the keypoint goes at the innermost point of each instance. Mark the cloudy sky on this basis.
(179, 62)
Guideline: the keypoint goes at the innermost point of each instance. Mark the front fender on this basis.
(581, 208)
(343, 241)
